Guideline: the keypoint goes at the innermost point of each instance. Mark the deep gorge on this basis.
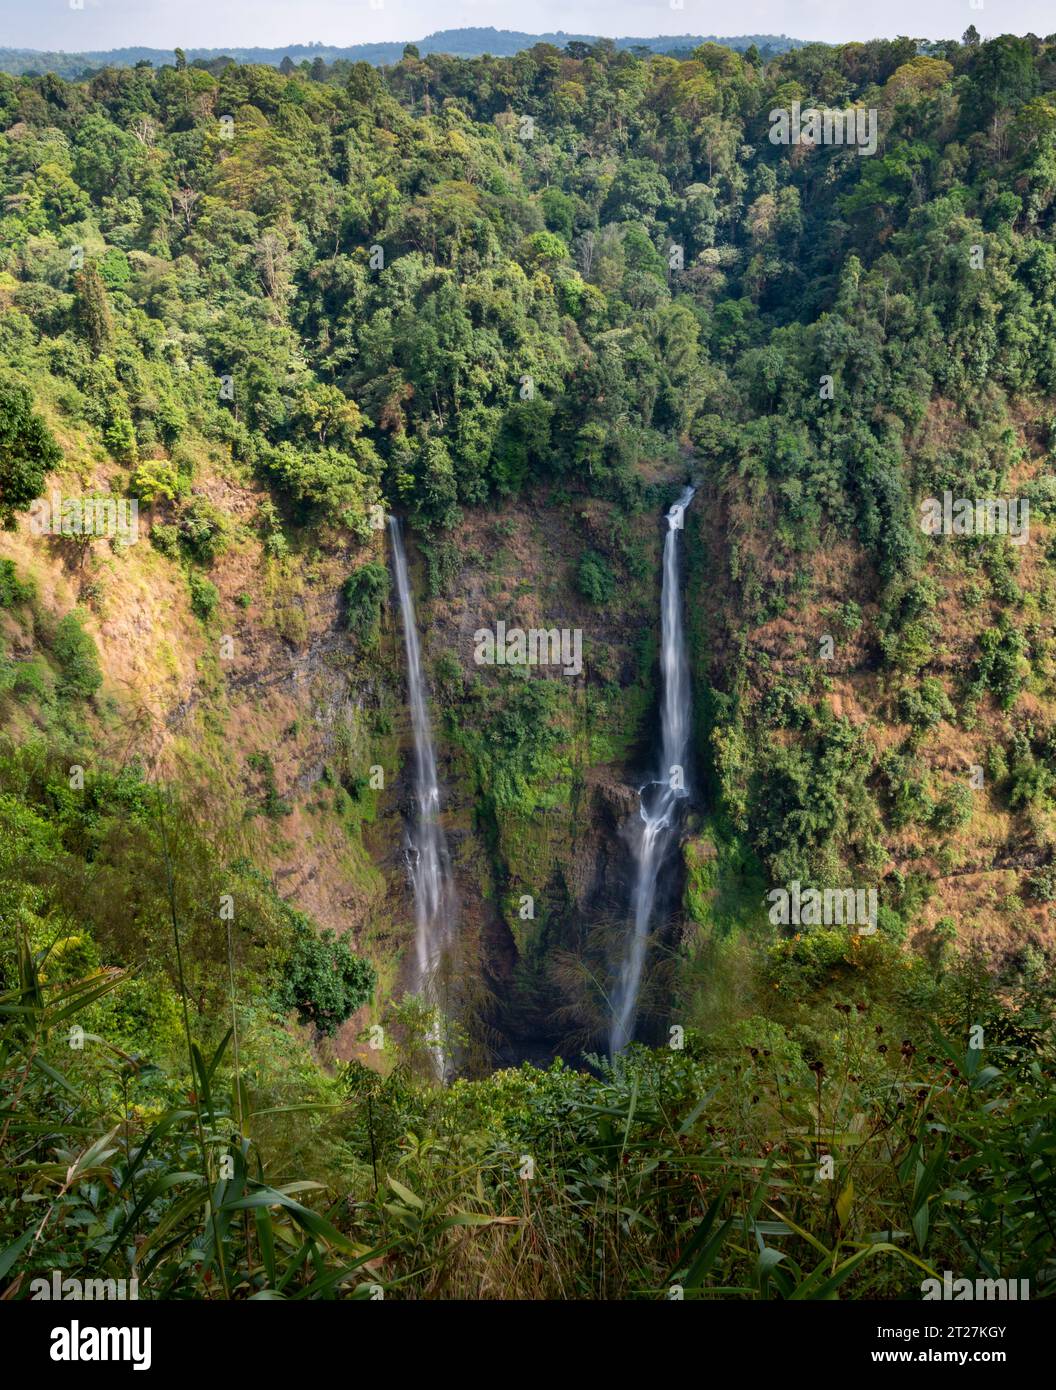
(538, 566)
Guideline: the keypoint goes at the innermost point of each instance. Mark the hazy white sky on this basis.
(53, 24)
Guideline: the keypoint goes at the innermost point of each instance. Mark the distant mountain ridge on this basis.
(461, 43)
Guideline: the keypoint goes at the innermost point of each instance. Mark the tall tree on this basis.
(27, 451)
(92, 308)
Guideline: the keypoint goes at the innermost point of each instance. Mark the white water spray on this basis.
(428, 860)
(659, 799)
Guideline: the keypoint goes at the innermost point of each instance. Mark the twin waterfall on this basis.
(430, 865)
(659, 799)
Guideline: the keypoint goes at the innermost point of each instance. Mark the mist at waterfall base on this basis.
(435, 905)
(661, 799)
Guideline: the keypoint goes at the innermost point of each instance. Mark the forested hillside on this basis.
(460, 43)
(519, 302)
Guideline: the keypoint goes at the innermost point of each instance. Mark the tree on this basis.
(921, 76)
(91, 307)
(324, 981)
(27, 451)
(1003, 75)
(437, 488)
(364, 592)
(330, 415)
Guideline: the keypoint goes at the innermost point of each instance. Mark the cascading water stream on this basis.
(659, 799)
(430, 865)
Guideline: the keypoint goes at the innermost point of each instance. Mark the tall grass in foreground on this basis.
(743, 1172)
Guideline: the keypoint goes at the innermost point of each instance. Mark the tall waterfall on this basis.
(430, 865)
(659, 799)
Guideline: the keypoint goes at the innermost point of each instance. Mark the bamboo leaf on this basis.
(844, 1203)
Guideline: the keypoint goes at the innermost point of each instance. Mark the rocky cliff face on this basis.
(543, 870)
(295, 737)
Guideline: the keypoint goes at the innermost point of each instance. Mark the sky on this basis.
(104, 24)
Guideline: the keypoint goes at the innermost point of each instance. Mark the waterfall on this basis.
(659, 800)
(430, 865)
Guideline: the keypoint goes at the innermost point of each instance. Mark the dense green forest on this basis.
(518, 301)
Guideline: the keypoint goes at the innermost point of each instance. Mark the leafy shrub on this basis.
(911, 648)
(1030, 779)
(324, 981)
(269, 523)
(850, 616)
(909, 799)
(444, 560)
(203, 530)
(998, 670)
(447, 677)
(594, 579)
(75, 653)
(27, 450)
(13, 590)
(1041, 884)
(205, 597)
(166, 539)
(114, 269)
(33, 680)
(512, 732)
(155, 479)
(953, 810)
(364, 593)
(924, 705)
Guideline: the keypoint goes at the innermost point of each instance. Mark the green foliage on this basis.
(365, 593)
(205, 596)
(203, 530)
(27, 450)
(271, 803)
(512, 735)
(924, 705)
(13, 591)
(154, 482)
(954, 810)
(324, 981)
(91, 308)
(75, 654)
(124, 1173)
(166, 539)
(999, 667)
(809, 798)
(855, 1056)
(529, 336)
(595, 579)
